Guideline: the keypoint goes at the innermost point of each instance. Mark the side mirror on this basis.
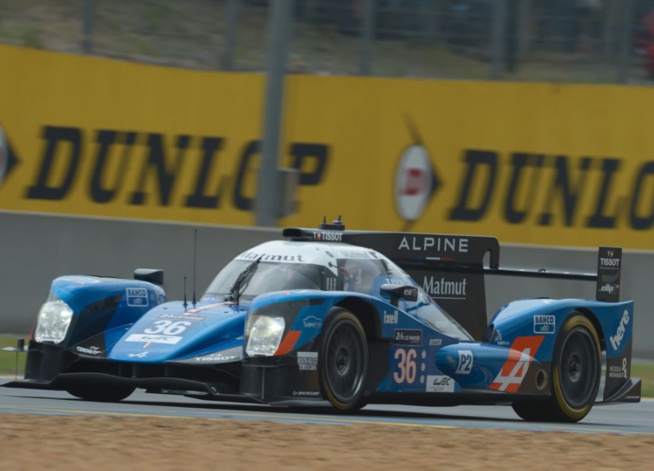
(407, 292)
(152, 275)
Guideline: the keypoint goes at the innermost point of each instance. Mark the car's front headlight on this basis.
(53, 322)
(265, 334)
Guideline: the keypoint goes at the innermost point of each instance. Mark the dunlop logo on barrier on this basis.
(567, 181)
(167, 169)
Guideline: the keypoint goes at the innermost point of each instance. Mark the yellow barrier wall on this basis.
(529, 163)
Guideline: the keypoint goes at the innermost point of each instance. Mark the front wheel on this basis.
(576, 371)
(344, 361)
(100, 393)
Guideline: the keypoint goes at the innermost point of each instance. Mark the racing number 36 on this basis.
(406, 362)
(168, 327)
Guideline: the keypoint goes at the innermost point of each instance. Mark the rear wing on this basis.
(451, 268)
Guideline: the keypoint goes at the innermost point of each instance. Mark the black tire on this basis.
(100, 393)
(576, 372)
(343, 361)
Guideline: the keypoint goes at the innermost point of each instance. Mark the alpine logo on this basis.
(138, 355)
(522, 351)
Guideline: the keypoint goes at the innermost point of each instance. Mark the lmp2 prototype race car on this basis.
(348, 317)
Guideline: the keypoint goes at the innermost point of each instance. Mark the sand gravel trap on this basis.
(54, 442)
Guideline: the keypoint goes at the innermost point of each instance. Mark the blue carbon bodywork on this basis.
(104, 305)
(172, 332)
(422, 359)
(397, 339)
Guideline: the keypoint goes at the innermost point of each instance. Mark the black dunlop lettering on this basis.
(62, 139)
(520, 163)
(156, 161)
(199, 198)
(645, 222)
(476, 161)
(569, 192)
(599, 218)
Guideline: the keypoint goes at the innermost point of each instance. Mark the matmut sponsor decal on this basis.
(443, 288)
(516, 365)
(153, 338)
(267, 257)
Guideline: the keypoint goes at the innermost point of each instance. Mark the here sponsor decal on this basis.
(616, 339)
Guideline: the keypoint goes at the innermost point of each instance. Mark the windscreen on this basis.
(268, 277)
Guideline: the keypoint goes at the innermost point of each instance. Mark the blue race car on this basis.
(350, 317)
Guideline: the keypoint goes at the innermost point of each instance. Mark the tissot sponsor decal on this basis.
(137, 297)
(544, 324)
(440, 383)
(608, 274)
(307, 361)
(616, 339)
(328, 236)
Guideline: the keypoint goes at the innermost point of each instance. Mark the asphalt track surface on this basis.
(624, 419)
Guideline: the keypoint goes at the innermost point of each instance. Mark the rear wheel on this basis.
(576, 371)
(100, 393)
(344, 361)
